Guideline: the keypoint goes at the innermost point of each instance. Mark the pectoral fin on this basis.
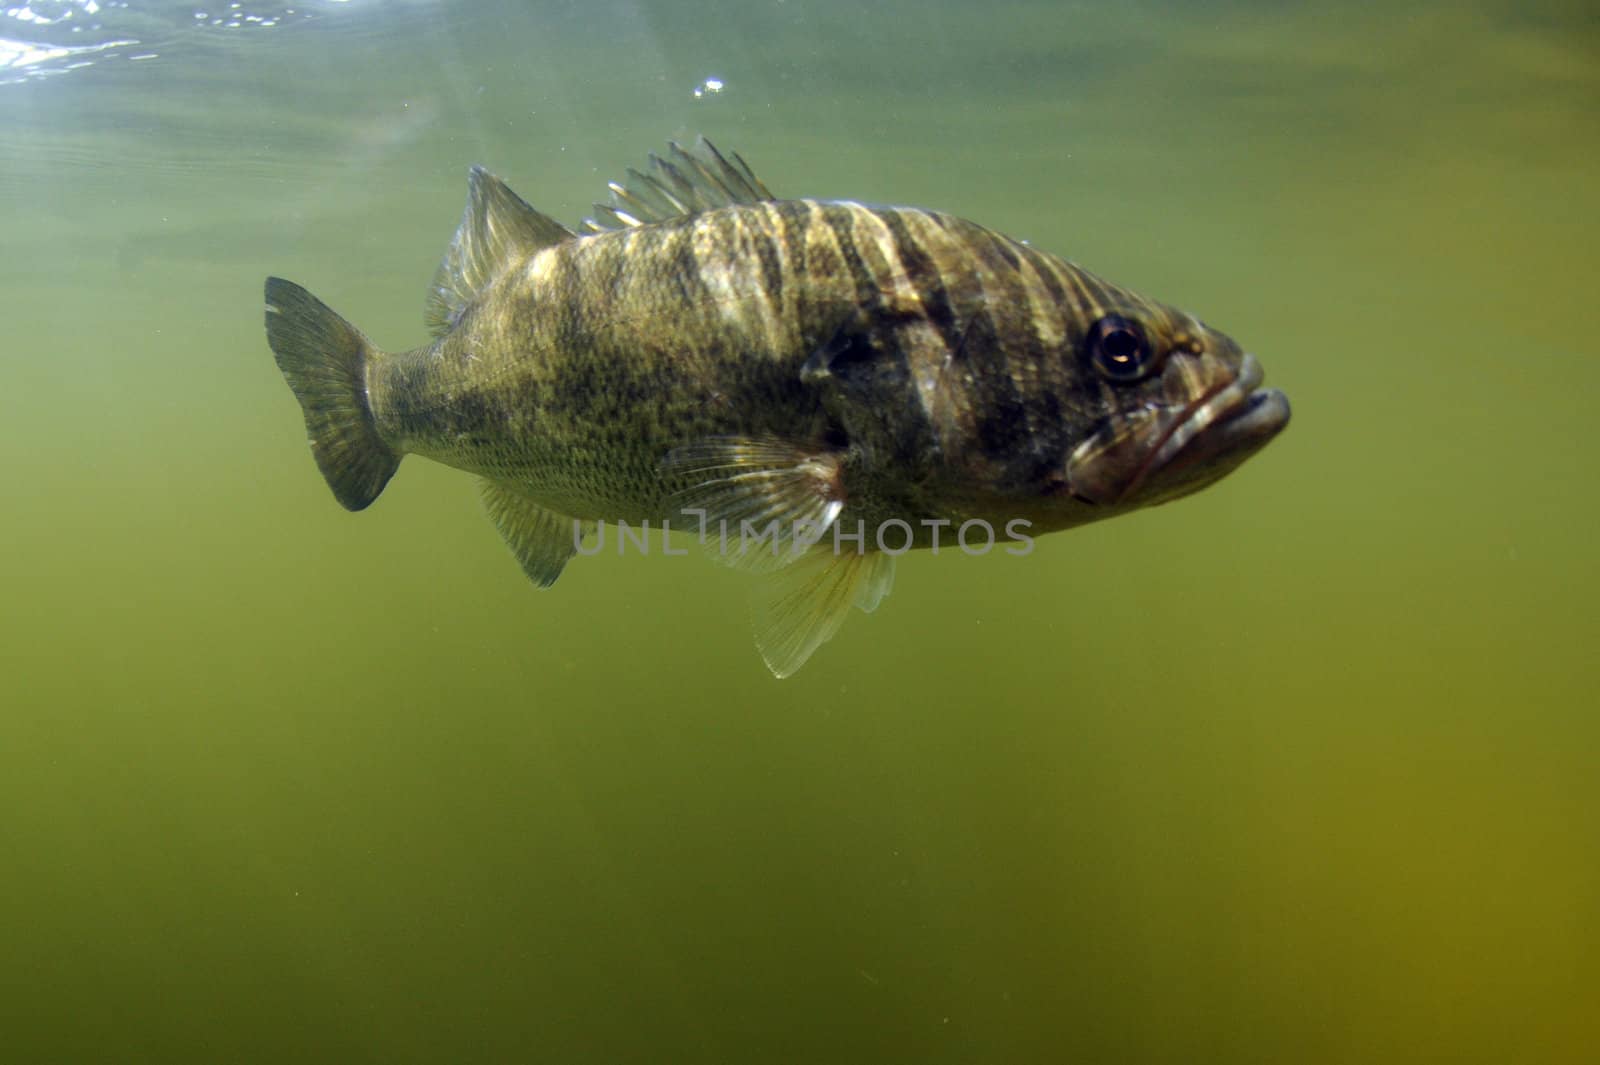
(763, 502)
(798, 608)
(541, 539)
(768, 505)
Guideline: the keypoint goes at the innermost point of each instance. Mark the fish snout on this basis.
(1209, 417)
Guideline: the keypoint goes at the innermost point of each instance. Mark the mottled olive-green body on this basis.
(805, 368)
(956, 390)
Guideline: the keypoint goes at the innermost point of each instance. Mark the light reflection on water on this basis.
(45, 38)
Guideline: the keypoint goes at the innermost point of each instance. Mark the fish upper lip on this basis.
(1217, 405)
(1231, 414)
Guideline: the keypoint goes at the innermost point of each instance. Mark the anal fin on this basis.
(541, 539)
(798, 608)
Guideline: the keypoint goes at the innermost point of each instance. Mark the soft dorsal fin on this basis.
(682, 184)
(496, 229)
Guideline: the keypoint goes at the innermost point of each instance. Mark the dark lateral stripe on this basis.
(682, 265)
(1081, 300)
(1098, 292)
(766, 248)
(1000, 414)
(1049, 314)
(606, 273)
(566, 299)
(1003, 250)
(839, 219)
(925, 278)
(1012, 298)
(1052, 284)
(790, 217)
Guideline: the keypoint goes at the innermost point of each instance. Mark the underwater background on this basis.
(1304, 768)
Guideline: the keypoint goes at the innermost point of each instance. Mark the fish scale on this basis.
(701, 351)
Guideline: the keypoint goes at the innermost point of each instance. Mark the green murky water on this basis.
(1306, 768)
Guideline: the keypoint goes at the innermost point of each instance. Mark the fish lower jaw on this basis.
(1168, 450)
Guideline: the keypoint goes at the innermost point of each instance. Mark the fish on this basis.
(812, 387)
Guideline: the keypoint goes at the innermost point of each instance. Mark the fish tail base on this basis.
(324, 358)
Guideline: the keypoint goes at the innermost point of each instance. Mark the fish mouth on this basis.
(1208, 420)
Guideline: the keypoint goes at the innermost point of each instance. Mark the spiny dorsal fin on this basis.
(496, 229)
(684, 183)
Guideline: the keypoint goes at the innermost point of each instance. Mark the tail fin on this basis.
(324, 359)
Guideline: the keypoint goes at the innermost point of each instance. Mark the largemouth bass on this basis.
(843, 381)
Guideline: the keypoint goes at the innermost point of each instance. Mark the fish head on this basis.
(1179, 405)
(1061, 403)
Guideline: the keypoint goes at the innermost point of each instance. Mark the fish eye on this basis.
(1118, 349)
